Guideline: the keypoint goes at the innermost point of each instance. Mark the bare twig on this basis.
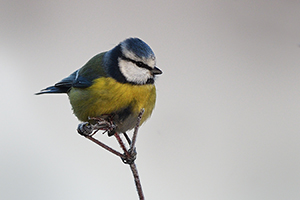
(104, 146)
(132, 145)
(132, 150)
(137, 181)
(129, 155)
(117, 136)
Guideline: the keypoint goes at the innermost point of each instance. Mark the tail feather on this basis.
(53, 89)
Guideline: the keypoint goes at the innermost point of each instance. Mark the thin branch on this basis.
(132, 145)
(129, 155)
(104, 146)
(137, 181)
(117, 136)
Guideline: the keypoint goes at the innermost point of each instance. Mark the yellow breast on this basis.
(107, 96)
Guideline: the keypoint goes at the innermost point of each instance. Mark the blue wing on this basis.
(81, 78)
(64, 86)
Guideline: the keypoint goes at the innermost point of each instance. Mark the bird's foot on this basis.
(104, 123)
(130, 156)
(85, 129)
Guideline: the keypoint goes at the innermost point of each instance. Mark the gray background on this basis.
(226, 124)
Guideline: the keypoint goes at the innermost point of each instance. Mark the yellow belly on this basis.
(107, 96)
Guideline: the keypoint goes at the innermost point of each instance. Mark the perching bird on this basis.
(116, 83)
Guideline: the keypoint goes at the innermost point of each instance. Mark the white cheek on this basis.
(134, 73)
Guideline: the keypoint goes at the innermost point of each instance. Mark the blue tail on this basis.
(53, 89)
(65, 85)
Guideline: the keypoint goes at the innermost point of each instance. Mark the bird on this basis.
(113, 85)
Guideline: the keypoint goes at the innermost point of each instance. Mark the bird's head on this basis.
(132, 61)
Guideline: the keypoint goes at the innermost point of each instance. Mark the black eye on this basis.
(140, 64)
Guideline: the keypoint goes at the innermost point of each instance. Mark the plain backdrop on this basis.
(226, 123)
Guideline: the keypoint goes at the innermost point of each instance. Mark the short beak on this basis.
(156, 71)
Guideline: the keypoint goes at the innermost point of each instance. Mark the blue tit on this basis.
(117, 83)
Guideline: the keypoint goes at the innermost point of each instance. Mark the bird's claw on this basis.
(130, 157)
(87, 128)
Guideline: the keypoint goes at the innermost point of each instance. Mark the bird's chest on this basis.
(106, 96)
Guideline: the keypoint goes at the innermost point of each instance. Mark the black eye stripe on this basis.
(138, 63)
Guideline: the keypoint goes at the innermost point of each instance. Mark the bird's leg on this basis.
(127, 138)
